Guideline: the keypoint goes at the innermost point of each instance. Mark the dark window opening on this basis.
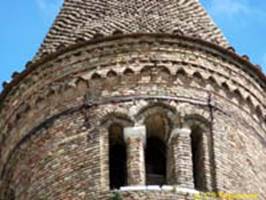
(117, 158)
(155, 161)
(198, 160)
(10, 194)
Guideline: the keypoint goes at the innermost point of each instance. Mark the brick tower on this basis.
(133, 99)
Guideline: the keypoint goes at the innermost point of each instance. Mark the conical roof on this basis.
(84, 19)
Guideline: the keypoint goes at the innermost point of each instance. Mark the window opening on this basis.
(117, 157)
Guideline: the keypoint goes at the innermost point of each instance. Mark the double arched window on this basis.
(168, 156)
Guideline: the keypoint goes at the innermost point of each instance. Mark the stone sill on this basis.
(164, 188)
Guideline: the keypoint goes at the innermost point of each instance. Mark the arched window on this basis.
(155, 161)
(117, 157)
(155, 151)
(198, 157)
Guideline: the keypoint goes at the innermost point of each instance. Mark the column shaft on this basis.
(135, 141)
(180, 152)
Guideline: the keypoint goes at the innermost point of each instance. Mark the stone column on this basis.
(104, 158)
(135, 138)
(207, 164)
(180, 156)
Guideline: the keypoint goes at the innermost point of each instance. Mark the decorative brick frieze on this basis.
(218, 80)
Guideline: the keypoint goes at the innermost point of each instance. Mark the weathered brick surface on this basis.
(54, 142)
(135, 161)
(87, 19)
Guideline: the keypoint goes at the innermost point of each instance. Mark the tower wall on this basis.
(54, 136)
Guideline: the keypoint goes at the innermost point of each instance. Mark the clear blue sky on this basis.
(24, 23)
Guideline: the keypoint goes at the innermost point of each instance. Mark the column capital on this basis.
(135, 132)
(180, 132)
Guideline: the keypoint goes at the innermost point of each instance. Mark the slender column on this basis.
(207, 164)
(135, 138)
(104, 159)
(180, 156)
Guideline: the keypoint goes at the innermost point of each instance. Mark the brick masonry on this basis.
(54, 138)
(82, 20)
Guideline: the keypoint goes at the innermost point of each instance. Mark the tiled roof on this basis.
(85, 19)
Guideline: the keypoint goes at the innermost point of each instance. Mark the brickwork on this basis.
(135, 139)
(87, 19)
(181, 150)
(55, 119)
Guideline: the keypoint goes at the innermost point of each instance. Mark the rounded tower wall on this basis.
(54, 117)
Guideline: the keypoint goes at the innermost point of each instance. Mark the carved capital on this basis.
(177, 132)
(136, 132)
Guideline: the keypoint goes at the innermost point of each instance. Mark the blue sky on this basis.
(23, 25)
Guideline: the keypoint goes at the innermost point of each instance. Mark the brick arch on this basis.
(81, 84)
(225, 89)
(96, 76)
(238, 96)
(164, 69)
(159, 106)
(128, 72)
(164, 72)
(182, 75)
(111, 74)
(147, 69)
(162, 111)
(181, 72)
(249, 102)
(190, 111)
(198, 78)
(116, 117)
(197, 75)
(197, 121)
(213, 83)
(225, 86)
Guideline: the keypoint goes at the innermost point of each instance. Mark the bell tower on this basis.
(136, 99)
